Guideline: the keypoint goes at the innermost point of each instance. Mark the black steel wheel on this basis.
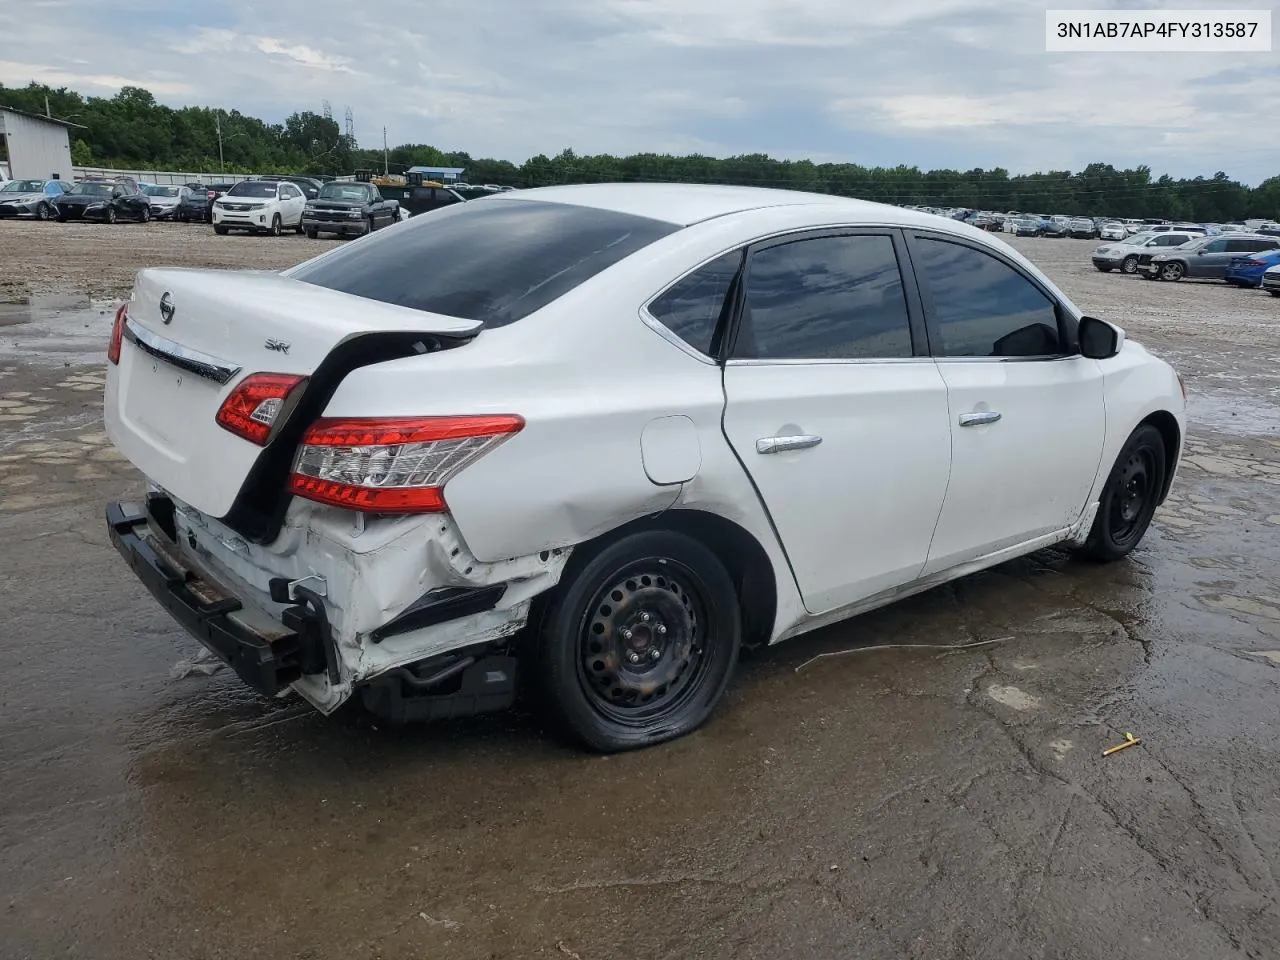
(1130, 496)
(639, 641)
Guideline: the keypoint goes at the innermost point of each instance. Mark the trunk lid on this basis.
(174, 374)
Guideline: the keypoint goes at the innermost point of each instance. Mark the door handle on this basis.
(783, 444)
(979, 418)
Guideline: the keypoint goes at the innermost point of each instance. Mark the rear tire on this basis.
(1130, 496)
(638, 642)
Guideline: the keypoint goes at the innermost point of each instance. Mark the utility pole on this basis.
(217, 125)
(385, 168)
(46, 106)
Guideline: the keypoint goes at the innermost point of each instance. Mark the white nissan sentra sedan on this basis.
(596, 438)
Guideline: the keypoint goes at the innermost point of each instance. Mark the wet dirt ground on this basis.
(893, 803)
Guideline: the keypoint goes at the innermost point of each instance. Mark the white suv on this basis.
(259, 206)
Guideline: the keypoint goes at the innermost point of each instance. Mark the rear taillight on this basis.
(1252, 263)
(253, 408)
(392, 465)
(1182, 385)
(117, 333)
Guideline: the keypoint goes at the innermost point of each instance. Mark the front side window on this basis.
(496, 261)
(981, 306)
(691, 309)
(828, 298)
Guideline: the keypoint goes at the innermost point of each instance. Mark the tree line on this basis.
(133, 130)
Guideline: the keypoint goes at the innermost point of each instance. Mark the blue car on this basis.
(1247, 271)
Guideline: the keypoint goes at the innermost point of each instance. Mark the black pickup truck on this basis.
(348, 208)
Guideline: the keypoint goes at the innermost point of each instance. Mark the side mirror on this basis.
(1099, 340)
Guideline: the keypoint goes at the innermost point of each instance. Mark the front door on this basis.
(1213, 258)
(1025, 409)
(836, 413)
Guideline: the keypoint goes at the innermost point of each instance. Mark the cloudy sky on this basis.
(933, 83)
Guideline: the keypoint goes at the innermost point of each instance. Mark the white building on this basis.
(38, 147)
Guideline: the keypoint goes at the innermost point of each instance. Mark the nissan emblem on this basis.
(166, 307)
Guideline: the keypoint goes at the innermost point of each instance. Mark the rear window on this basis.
(495, 261)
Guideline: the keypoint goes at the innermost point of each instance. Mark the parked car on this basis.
(1178, 228)
(259, 206)
(1247, 271)
(31, 198)
(310, 186)
(1081, 228)
(348, 208)
(1271, 281)
(369, 490)
(1124, 255)
(416, 199)
(164, 200)
(1113, 230)
(1027, 227)
(105, 200)
(197, 206)
(1134, 226)
(1206, 258)
(1056, 226)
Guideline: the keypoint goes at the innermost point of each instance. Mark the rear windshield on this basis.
(495, 261)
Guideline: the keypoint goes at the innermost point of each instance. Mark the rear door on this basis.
(837, 413)
(1026, 413)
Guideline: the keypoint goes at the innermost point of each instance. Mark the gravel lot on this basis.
(895, 803)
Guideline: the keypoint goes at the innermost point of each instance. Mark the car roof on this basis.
(688, 203)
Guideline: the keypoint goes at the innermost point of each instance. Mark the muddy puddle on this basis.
(56, 329)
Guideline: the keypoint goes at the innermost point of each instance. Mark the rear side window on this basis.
(496, 261)
(828, 298)
(982, 307)
(691, 309)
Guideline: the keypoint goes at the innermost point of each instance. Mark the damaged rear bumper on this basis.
(267, 663)
(411, 621)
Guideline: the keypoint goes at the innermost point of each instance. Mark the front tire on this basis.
(42, 211)
(1102, 269)
(1129, 264)
(638, 642)
(312, 233)
(111, 215)
(1172, 271)
(275, 225)
(220, 229)
(1130, 496)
